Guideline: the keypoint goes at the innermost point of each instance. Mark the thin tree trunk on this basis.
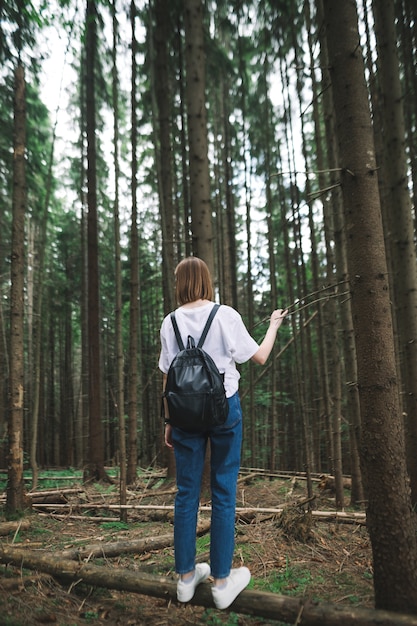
(37, 322)
(120, 395)
(4, 376)
(272, 442)
(226, 247)
(185, 248)
(83, 441)
(15, 485)
(132, 457)
(95, 463)
(330, 330)
(248, 228)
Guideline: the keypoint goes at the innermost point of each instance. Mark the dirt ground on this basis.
(291, 554)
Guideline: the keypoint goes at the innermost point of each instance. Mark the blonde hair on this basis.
(193, 281)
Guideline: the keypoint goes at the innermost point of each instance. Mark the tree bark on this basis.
(12, 527)
(161, 88)
(391, 520)
(120, 387)
(132, 409)
(95, 461)
(15, 485)
(349, 349)
(118, 547)
(400, 220)
(195, 60)
(330, 330)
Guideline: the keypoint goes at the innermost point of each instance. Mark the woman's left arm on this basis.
(168, 427)
(267, 344)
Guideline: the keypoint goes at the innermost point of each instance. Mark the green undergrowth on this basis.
(53, 479)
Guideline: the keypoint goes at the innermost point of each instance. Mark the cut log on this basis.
(111, 549)
(118, 547)
(11, 527)
(135, 546)
(150, 493)
(328, 483)
(262, 604)
(49, 492)
(20, 582)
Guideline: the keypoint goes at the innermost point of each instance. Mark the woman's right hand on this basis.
(267, 344)
(277, 317)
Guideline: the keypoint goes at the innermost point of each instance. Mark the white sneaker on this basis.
(186, 590)
(237, 580)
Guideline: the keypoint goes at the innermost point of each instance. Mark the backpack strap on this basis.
(177, 332)
(205, 330)
(208, 324)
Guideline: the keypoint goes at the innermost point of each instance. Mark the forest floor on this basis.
(291, 554)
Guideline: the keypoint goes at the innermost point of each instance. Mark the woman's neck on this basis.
(195, 303)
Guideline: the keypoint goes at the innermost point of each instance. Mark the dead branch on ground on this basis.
(339, 516)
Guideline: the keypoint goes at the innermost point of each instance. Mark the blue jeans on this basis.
(190, 451)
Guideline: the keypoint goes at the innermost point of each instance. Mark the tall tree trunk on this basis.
(161, 90)
(132, 409)
(391, 521)
(195, 93)
(273, 418)
(331, 328)
(226, 239)
(4, 376)
(37, 322)
(348, 341)
(406, 22)
(399, 211)
(15, 487)
(184, 236)
(243, 93)
(120, 388)
(82, 438)
(95, 462)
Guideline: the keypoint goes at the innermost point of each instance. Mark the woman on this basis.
(228, 342)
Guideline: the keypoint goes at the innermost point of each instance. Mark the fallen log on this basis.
(116, 548)
(328, 483)
(149, 493)
(55, 492)
(112, 549)
(263, 604)
(21, 582)
(11, 527)
(340, 516)
(68, 516)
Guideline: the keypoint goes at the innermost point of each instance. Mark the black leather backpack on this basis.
(194, 389)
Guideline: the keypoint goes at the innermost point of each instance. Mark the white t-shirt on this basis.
(228, 342)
